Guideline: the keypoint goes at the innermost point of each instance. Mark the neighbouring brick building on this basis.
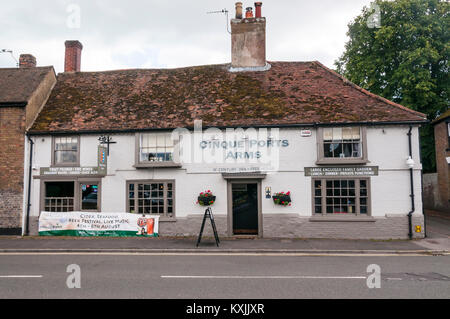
(23, 92)
(349, 158)
(442, 141)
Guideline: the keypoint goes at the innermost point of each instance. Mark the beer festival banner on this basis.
(87, 224)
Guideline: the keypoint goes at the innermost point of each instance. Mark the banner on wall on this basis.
(87, 224)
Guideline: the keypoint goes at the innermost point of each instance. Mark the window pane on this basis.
(161, 140)
(59, 196)
(66, 150)
(152, 198)
(156, 147)
(347, 133)
(356, 133)
(59, 189)
(89, 196)
(337, 134)
(327, 134)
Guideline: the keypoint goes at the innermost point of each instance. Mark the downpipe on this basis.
(30, 167)
(411, 177)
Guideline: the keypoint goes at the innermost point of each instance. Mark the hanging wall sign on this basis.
(102, 159)
(342, 171)
(55, 171)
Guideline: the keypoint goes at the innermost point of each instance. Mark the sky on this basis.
(128, 34)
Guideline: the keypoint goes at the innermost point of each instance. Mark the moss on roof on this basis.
(289, 93)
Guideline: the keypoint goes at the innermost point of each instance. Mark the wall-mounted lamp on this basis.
(410, 162)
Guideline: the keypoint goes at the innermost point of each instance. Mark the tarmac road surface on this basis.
(161, 276)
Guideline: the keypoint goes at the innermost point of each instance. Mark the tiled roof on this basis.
(442, 117)
(289, 93)
(18, 84)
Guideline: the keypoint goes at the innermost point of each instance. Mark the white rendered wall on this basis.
(387, 149)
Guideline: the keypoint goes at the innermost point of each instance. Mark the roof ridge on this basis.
(368, 93)
(145, 69)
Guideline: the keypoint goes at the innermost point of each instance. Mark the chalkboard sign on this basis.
(208, 214)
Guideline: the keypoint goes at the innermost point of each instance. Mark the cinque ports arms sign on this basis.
(243, 148)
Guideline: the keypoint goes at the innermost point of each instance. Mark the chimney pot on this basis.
(258, 6)
(249, 12)
(238, 10)
(72, 61)
(27, 61)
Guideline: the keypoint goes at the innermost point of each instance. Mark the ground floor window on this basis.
(69, 196)
(151, 197)
(341, 196)
(59, 197)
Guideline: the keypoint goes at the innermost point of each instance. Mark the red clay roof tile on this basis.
(289, 93)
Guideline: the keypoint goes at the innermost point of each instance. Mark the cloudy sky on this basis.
(120, 34)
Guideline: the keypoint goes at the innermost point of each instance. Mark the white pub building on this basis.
(150, 141)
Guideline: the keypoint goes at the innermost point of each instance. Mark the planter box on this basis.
(204, 201)
(278, 199)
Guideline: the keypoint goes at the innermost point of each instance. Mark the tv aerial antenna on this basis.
(12, 55)
(224, 11)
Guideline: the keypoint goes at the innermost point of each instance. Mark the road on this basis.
(162, 276)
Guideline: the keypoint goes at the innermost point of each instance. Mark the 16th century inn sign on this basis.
(342, 171)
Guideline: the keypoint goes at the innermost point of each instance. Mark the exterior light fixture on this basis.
(410, 162)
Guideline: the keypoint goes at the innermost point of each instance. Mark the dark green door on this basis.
(245, 208)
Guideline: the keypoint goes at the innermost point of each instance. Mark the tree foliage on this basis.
(404, 58)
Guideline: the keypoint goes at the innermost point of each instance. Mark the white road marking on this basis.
(263, 277)
(21, 276)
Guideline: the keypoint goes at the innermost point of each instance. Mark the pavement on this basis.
(437, 242)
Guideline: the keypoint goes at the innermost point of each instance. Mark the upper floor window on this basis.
(342, 145)
(66, 151)
(155, 149)
(342, 142)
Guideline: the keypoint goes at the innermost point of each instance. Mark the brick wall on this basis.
(12, 139)
(442, 167)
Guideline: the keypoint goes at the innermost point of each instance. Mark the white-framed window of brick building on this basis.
(341, 196)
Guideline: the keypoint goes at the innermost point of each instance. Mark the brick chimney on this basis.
(72, 61)
(27, 61)
(248, 40)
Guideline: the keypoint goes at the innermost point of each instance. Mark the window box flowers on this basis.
(283, 199)
(206, 198)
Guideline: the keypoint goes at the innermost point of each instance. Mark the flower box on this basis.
(282, 198)
(206, 198)
(206, 201)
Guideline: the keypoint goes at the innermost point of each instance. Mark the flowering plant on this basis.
(282, 198)
(206, 198)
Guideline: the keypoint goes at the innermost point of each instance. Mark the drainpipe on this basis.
(410, 163)
(30, 171)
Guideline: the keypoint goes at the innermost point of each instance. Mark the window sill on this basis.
(342, 161)
(157, 164)
(333, 218)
